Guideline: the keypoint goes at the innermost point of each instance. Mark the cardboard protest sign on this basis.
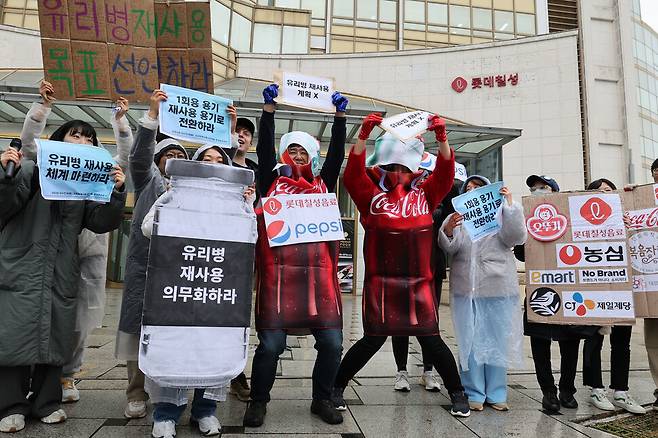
(58, 67)
(54, 19)
(577, 260)
(406, 125)
(73, 172)
(91, 77)
(303, 91)
(195, 116)
(292, 219)
(480, 210)
(133, 72)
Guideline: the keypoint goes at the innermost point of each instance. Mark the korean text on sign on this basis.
(73, 172)
(305, 91)
(195, 116)
(407, 125)
(480, 210)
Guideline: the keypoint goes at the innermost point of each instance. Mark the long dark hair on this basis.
(73, 127)
(596, 184)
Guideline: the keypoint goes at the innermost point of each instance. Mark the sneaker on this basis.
(164, 429)
(475, 406)
(460, 406)
(208, 426)
(59, 416)
(568, 401)
(70, 393)
(599, 399)
(12, 423)
(624, 400)
(254, 416)
(240, 388)
(402, 381)
(550, 403)
(326, 411)
(502, 407)
(135, 409)
(338, 400)
(430, 382)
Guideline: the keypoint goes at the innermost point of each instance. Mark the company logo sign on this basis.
(644, 251)
(596, 217)
(546, 223)
(552, 277)
(544, 301)
(608, 304)
(278, 232)
(412, 204)
(272, 206)
(596, 211)
(642, 219)
(459, 84)
(594, 276)
(591, 254)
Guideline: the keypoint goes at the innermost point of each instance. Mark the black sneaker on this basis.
(655, 394)
(325, 409)
(550, 403)
(460, 406)
(254, 416)
(568, 401)
(338, 400)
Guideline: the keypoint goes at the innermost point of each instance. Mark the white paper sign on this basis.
(595, 304)
(292, 219)
(596, 217)
(406, 125)
(300, 90)
(460, 172)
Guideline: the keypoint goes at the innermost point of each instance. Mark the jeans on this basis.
(484, 382)
(201, 408)
(43, 382)
(328, 343)
(620, 359)
(541, 355)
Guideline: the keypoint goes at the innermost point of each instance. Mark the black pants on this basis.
(620, 359)
(42, 380)
(433, 349)
(401, 352)
(541, 355)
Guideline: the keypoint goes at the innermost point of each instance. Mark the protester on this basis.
(298, 287)
(541, 335)
(92, 248)
(147, 169)
(396, 213)
(485, 301)
(39, 281)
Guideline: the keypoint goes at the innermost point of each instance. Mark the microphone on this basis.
(11, 166)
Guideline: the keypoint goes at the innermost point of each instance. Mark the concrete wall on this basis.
(20, 48)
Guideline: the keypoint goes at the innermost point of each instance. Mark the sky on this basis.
(650, 13)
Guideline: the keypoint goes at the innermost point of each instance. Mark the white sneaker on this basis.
(59, 416)
(402, 381)
(164, 429)
(70, 393)
(624, 400)
(430, 382)
(135, 409)
(12, 423)
(209, 426)
(599, 399)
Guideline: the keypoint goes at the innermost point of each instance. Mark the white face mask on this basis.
(541, 192)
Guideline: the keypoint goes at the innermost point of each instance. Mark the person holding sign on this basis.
(484, 299)
(39, 282)
(298, 289)
(147, 169)
(92, 247)
(396, 212)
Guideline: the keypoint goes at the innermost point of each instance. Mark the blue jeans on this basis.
(483, 382)
(201, 407)
(328, 343)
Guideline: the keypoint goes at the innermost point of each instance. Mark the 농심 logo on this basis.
(544, 301)
(546, 224)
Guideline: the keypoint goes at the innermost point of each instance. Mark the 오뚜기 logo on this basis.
(278, 232)
(546, 224)
(544, 301)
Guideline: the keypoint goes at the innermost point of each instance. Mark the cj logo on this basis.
(278, 232)
(272, 206)
(459, 84)
(580, 304)
(570, 254)
(595, 211)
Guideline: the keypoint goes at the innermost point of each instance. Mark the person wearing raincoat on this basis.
(485, 300)
(92, 247)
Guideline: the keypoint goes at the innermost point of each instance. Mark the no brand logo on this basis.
(596, 211)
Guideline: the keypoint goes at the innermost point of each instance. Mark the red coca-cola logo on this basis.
(272, 206)
(459, 84)
(413, 204)
(596, 211)
(642, 218)
(570, 254)
(546, 224)
(285, 188)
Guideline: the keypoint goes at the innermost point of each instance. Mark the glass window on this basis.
(504, 21)
(414, 26)
(295, 39)
(414, 11)
(267, 38)
(482, 18)
(388, 11)
(366, 9)
(221, 21)
(294, 4)
(366, 24)
(240, 33)
(525, 23)
(437, 13)
(344, 8)
(460, 16)
(317, 7)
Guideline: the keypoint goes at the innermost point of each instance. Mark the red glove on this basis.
(369, 124)
(438, 125)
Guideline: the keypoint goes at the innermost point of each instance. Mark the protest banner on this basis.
(74, 172)
(406, 125)
(292, 219)
(303, 91)
(195, 116)
(480, 210)
(577, 260)
(103, 49)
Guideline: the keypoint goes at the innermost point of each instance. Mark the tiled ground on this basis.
(375, 410)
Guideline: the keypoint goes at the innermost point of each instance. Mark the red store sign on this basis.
(459, 84)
